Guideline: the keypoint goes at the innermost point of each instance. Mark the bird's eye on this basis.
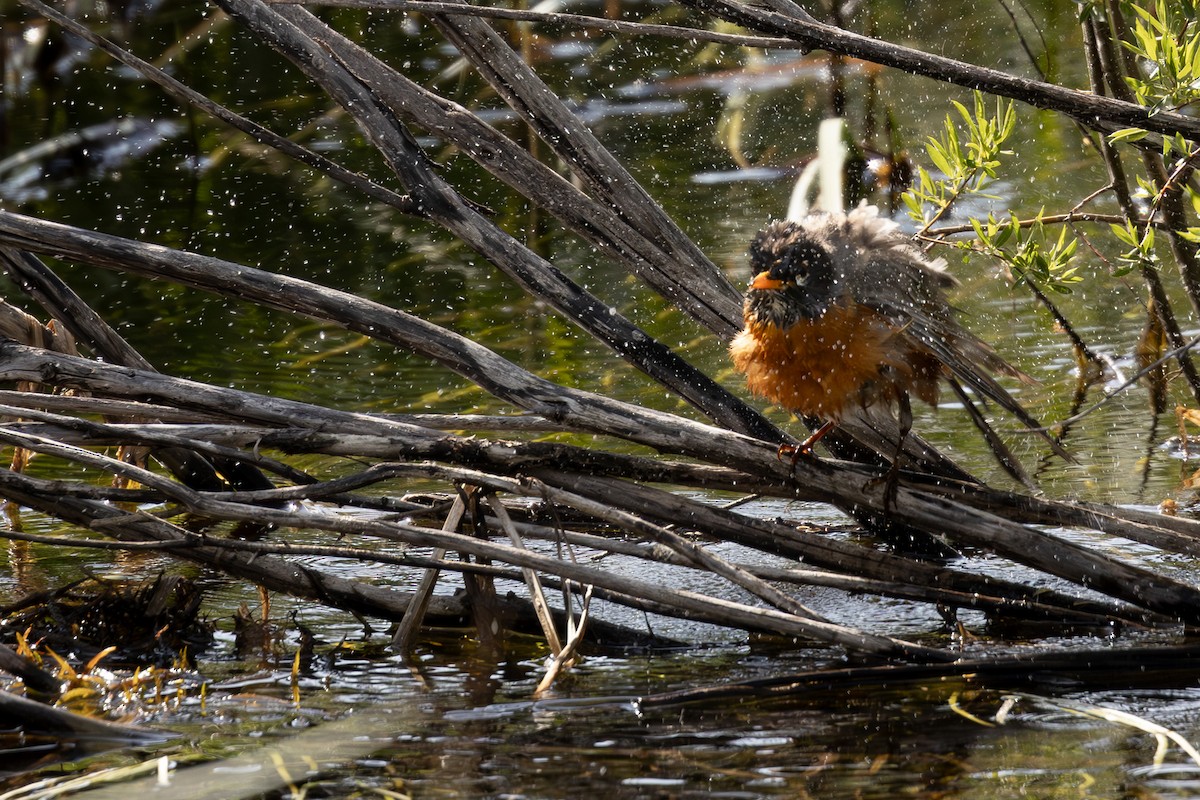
(801, 275)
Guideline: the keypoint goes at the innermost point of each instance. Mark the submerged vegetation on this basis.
(526, 504)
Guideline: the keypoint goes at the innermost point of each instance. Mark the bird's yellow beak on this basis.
(763, 280)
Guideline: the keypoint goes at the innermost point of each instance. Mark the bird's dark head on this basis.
(794, 277)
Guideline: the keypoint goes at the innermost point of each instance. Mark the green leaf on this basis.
(1128, 135)
(914, 206)
(1003, 235)
(1147, 242)
(1191, 234)
(980, 234)
(1125, 233)
(940, 160)
(962, 112)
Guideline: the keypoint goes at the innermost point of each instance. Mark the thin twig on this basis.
(406, 631)
(1133, 379)
(531, 581)
(624, 27)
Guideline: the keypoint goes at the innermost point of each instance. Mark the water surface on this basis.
(462, 722)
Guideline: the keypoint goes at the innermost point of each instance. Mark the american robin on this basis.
(844, 313)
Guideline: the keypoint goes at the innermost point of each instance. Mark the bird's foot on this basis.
(793, 452)
(890, 481)
(805, 448)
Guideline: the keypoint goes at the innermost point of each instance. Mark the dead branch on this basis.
(829, 481)
(1089, 110)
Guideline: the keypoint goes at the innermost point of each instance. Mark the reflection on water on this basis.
(466, 727)
(474, 731)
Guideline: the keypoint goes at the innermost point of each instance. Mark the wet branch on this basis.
(1091, 111)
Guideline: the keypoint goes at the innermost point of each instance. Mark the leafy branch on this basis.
(1167, 41)
(1027, 251)
(1140, 241)
(968, 164)
(1166, 44)
(968, 161)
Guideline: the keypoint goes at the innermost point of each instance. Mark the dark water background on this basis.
(463, 725)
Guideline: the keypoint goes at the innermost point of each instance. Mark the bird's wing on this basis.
(968, 359)
(903, 286)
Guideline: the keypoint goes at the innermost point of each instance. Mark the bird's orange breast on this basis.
(849, 356)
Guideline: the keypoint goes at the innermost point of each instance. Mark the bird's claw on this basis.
(890, 481)
(805, 448)
(793, 452)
